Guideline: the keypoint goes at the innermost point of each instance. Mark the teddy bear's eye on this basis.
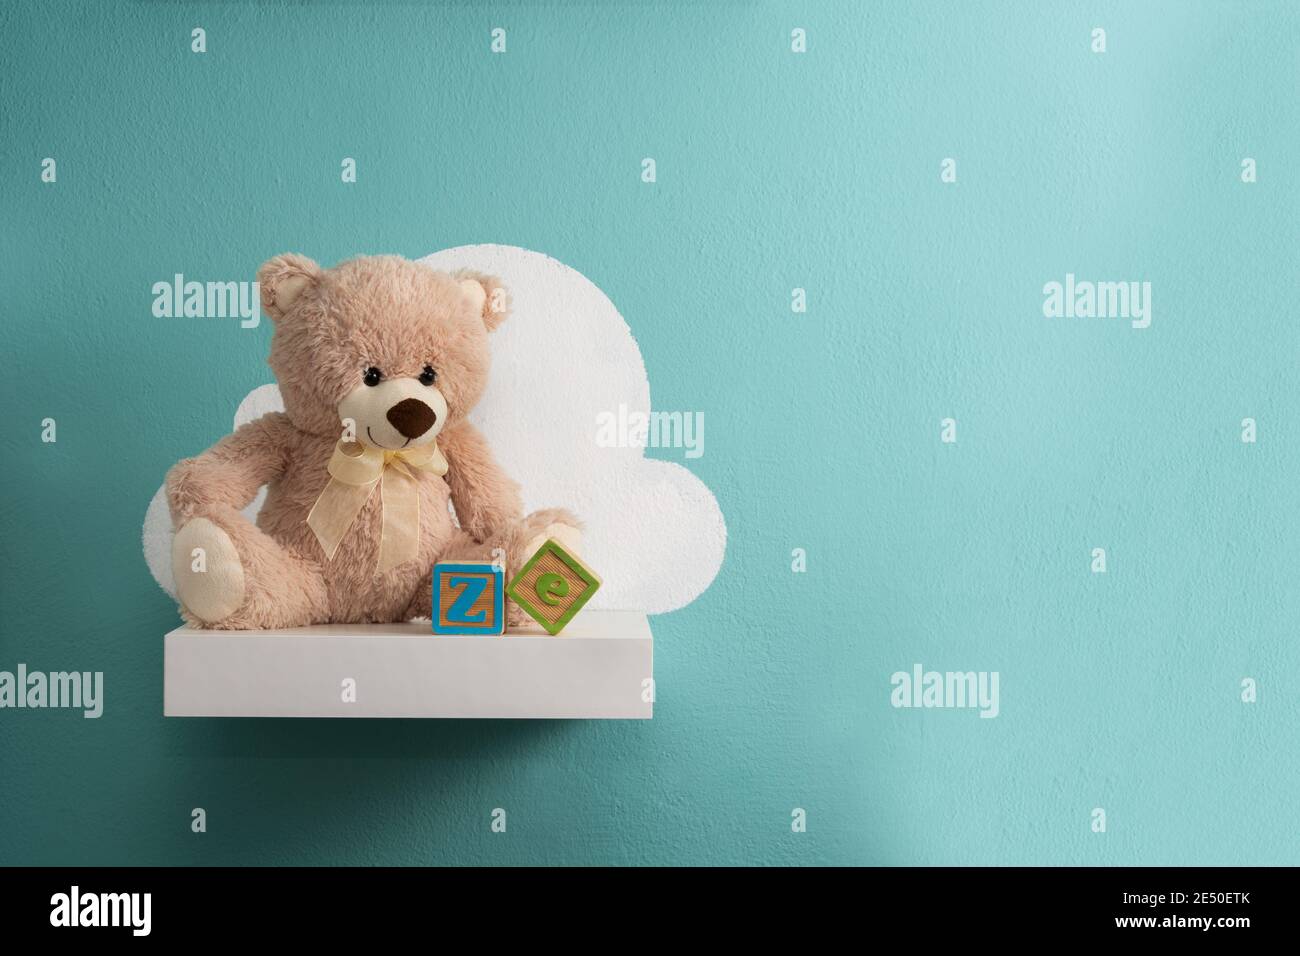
(372, 376)
(428, 376)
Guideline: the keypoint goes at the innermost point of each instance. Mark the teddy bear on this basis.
(379, 361)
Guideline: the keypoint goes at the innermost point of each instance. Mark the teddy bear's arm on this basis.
(486, 499)
(231, 471)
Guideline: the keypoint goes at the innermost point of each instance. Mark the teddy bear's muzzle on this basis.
(411, 417)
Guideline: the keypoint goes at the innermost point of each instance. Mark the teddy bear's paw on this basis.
(568, 536)
(516, 616)
(209, 574)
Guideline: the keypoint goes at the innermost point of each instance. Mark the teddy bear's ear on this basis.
(486, 293)
(282, 279)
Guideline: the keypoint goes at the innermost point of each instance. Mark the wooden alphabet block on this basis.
(468, 598)
(553, 586)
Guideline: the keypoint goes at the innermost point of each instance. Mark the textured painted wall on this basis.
(776, 170)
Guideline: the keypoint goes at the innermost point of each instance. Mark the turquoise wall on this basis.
(775, 170)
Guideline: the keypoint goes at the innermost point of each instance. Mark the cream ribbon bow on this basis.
(354, 470)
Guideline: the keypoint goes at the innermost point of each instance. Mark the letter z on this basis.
(471, 590)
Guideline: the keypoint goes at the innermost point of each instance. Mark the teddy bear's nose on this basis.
(412, 417)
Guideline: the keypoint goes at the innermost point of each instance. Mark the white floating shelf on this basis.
(596, 668)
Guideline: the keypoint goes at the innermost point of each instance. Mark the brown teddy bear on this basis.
(379, 361)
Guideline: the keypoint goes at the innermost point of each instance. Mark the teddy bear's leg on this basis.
(231, 575)
(516, 545)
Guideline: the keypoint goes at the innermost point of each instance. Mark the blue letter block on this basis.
(468, 599)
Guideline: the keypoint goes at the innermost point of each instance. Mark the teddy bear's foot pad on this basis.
(601, 666)
(209, 575)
